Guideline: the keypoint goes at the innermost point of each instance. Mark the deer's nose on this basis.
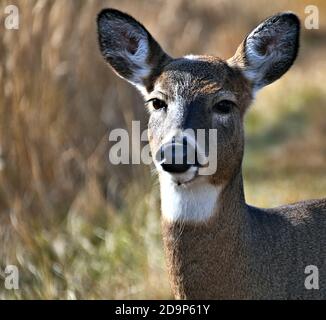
(175, 168)
(176, 157)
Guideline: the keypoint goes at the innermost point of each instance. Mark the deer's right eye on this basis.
(158, 104)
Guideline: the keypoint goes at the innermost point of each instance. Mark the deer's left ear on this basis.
(269, 50)
(129, 48)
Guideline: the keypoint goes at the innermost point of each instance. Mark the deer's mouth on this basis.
(183, 178)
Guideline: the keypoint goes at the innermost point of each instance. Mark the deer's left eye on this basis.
(223, 107)
(158, 104)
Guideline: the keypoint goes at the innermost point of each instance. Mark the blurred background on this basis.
(79, 228)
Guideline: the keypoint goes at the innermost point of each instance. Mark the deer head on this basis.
(197, 92)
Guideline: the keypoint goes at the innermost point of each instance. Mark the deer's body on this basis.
(216, 245)
(244, 252)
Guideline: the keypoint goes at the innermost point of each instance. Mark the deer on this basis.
(217, 246)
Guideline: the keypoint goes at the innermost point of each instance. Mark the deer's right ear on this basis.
(129, 48)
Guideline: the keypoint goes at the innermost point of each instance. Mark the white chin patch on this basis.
(195, 201)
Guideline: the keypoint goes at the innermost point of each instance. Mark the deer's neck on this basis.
(206, 252)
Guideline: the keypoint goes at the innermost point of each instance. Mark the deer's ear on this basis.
(269, 50)
(129, 48)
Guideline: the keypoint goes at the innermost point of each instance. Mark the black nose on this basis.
(176, 157)
(175, 168)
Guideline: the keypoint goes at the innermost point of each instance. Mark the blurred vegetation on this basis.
(78, 227)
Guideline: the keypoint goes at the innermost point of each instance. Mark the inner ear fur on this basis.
(129, 48)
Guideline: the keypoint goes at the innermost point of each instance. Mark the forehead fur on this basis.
(198, 76)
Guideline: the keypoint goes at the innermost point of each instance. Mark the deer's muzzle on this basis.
(177, 157)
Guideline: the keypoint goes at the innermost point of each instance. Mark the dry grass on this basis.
(78, 227)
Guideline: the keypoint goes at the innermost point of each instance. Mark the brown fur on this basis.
(247, 253)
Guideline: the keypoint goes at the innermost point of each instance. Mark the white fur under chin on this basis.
(193, 202)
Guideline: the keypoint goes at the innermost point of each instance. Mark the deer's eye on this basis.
(158, 104)
(223, 107)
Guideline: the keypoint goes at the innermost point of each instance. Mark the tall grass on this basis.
(77, 226)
